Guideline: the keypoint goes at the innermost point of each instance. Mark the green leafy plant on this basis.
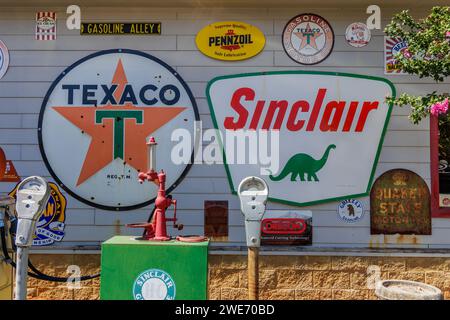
(428, 55)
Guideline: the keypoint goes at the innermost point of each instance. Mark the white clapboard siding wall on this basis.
(35, 64)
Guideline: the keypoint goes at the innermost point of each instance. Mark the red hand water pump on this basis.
(157, 230)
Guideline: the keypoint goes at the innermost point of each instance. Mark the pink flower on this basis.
(439, 108)
(407, 54)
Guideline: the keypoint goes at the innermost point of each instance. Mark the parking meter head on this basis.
(253, 193)
(32, 196)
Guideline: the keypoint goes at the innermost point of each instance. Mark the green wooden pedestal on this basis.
(139, 269)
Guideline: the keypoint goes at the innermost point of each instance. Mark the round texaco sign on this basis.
(97, 117)
(308, 39)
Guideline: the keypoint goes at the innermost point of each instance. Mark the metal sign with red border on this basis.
(393, 46)
(357, 35)
(45, 25)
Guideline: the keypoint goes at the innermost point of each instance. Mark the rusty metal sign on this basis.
(400, 204)
(216, 220)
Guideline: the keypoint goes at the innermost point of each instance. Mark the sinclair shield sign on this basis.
(331, 128)
(95, 121)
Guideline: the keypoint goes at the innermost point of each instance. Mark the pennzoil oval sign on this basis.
(230, 40)
(331, 128)
(95, 121)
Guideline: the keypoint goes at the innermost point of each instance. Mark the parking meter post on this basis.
(253, 273)
(253, 193)
(32, 196)
(21, 273)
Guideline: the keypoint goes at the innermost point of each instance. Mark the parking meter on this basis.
(253, 193)
(31, 200)
(32, 196)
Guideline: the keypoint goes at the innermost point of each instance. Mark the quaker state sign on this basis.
(330, 125)
(400, 203)
(51, 224)
(230, 40)
(96, 118)
(308, 39)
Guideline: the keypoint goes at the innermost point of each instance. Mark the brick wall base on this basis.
(321, 277)
(281, 277)
(57, 265)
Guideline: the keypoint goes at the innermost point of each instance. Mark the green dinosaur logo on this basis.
(301, 163)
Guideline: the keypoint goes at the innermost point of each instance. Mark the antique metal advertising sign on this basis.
(154, 284)
(8, 172)
(287, 228)
(350, 210)
(357, 35)
(393, 46)
(230, 40)
(4, 59)
(400, 203)
(444, 200)
(330, 126)
(119, 28)
(51, 224)
(45, 26)
(308, 39)
(216, 220)
(96, 118)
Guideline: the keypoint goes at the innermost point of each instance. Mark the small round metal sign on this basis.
(350, 210)
(308, 39)
(154, 284)
(4, 59)
(357, 34)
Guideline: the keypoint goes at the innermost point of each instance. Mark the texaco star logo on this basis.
(106, 125)
(97, 117)
(308, 39)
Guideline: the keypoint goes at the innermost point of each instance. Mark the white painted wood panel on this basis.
(174, 58)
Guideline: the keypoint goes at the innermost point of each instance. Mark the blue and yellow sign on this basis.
(51, 224)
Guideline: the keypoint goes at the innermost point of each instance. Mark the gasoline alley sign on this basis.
(118, 28)
(95, 121)
(331, 128)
